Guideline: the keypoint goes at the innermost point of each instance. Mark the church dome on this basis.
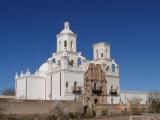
(66, 29)
(43, 67)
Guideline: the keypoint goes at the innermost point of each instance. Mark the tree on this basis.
(59, 111)
(154, 102)
(134, 106)
(8, 92)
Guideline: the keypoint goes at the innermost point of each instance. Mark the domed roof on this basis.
(66, 28)
(43, 67)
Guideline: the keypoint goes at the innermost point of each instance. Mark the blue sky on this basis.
(28, 31)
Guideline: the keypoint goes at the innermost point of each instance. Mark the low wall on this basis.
(13, 106)
(7, 96)
(109, 108)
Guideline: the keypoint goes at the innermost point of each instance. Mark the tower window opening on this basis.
(59, 62)
(107, 68)
(113, 67)
(67, 84)
(75, 84)
(71, 44)
(53, 61)
(59, 45)
(112, 100)
(79, 61)
(65, 43)
(72, 62)
(107, 52)
(95, 101)
(102, 55)
(97, 53)
(95, 85)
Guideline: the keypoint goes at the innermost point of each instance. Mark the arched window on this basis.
(113, 67)
(95, 101)
(53, 61)
(67, 84)
(59, 45)
(101, 55)
(72, 62)
(59, 62)
(107, 68)
(112, 100)
(75, 84)
(71, 44)
(95, 86)
(107, 52)
(79, 61)
(65, 43)
(97, 54)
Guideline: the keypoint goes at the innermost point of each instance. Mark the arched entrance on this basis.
(95, 101)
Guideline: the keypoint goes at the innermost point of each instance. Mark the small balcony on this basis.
(113, 92)
(76, 89)
(96, 89)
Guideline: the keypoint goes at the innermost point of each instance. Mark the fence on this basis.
(142, 118)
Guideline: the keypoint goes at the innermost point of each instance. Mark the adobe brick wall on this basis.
(13, 106)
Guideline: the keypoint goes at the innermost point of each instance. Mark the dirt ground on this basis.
(115, 118)
(40, 109)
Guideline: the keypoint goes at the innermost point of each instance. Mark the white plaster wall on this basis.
(31, 88)
(71, 77)
(48, 87)
(69, 97)
(112, 81)
(111, 77)
(116, 99)
(36, 88)
(21, 88)
(101, 47)
(130, 96)
(56, 86)
(73, 57)
(61, 38)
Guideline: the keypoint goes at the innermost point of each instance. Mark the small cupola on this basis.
(66, 29)
(66, 39)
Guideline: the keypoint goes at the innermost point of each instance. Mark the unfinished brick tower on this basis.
(95, 91)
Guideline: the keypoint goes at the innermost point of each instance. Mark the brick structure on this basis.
(95, 91)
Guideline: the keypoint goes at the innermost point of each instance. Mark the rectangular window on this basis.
(97, 53)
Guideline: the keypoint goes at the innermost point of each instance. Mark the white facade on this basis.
(102, 56)
(55, 78)
(64, 71)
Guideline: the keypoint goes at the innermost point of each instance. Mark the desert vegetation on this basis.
(8, 92)
(154, 102)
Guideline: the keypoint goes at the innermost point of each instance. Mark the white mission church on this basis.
(61, 77)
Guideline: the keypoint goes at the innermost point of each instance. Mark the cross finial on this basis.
(66, 25)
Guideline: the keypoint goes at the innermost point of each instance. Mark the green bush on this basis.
(87, 115)
(104, 112)
(93, 113)
(73, 115)
(52, 117)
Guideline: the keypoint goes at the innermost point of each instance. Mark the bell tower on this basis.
(66, 39)
(101, 50)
